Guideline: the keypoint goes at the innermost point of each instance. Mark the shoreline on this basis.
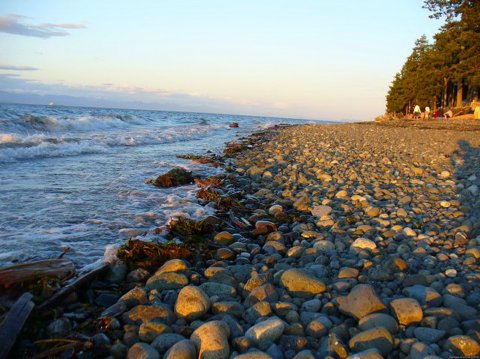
(347, 237)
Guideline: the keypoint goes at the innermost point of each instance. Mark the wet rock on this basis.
(304, 354)
(101, 344)
(420, 350)
(233, 308)
(224, 238)
(173, 265)
(138, 275)
(317, 328)
(145, 313)
(266, 332)
(462, 345)
(192, 303)
(264, 227)
(364, 243)
(211, 340)
(407, 311)
(375, 338)
(321, 211)
(260, 309)
(366, 354)
(301, 284)
(165, 281)
(184, 349)
(174, 177)
(347, 272)
(142, 351)
(266, 292)
(59, 328)
(148, 331)
(376, 320)
(218, 289)
(119, 350)
(361, 301)
(424, 295)
(165, 341)
(276, 210)
(254, 355)
(428, 335)
(134, 297)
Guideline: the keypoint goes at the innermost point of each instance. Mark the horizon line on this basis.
(177, 111)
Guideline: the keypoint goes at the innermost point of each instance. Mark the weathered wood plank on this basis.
(13, 323)
(30, 272)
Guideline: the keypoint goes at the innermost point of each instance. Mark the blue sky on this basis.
(308, 59)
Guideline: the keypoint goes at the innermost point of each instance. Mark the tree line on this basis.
(446, 72)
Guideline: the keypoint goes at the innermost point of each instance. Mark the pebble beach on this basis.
(348, 241)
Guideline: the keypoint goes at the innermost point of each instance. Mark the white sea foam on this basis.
(15, 147)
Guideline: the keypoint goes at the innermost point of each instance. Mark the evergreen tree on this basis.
(439, 73)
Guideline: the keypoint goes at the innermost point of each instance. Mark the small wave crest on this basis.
(32, 123)
(14, 147)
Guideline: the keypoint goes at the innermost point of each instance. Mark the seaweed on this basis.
(148, 255)
(215, 161)
(208, 195)
(214, 181)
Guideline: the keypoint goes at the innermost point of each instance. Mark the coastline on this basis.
(335, 225)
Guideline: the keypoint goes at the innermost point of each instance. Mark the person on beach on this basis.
(416, 112)
(427, 113)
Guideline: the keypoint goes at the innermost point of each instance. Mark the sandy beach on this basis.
(351, 240)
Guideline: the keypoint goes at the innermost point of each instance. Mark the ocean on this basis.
(73, 177)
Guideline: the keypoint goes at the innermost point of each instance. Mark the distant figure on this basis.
(416, 112)
(449, 114)
(427, 113)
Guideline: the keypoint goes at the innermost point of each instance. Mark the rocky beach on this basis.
(330, 241)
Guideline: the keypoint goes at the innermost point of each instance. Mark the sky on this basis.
(312, 59)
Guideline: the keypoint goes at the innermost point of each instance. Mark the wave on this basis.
(29, 122)
(15, 147)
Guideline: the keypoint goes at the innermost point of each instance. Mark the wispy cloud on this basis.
(15, 24)
(18, 68)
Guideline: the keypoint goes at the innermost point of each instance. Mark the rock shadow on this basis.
(466, 162)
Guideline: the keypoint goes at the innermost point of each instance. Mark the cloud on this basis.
(22, 90)
(14, 24)
(18, 68)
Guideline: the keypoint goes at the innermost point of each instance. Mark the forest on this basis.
(445, 73)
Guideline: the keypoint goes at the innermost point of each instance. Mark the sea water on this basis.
(73, 177)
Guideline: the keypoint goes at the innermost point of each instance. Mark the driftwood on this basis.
(13, 323)
(74, 285)
(57, 350)
(33, 271)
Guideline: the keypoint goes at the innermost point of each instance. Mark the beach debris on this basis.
(75, 284)
(13, 323)
(214, 181)
(141, 254)
(28, 273)
(208, 194)
(173, 178)
(213, 160)
(232, 148)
